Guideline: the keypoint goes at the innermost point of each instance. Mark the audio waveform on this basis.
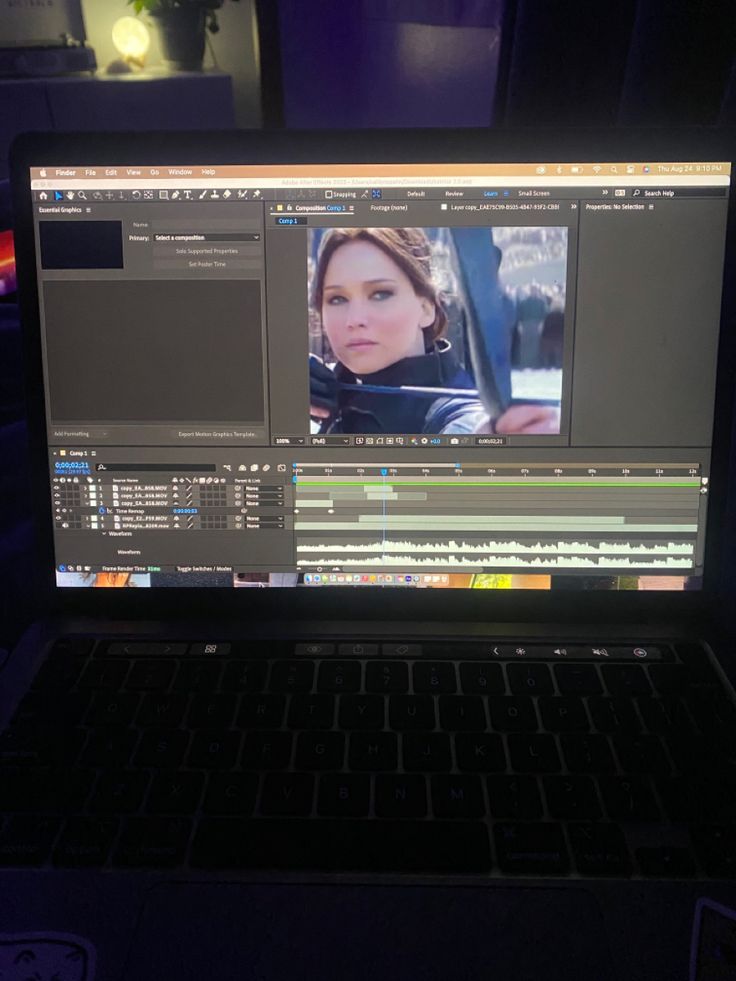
(455, 561)
(509, 547)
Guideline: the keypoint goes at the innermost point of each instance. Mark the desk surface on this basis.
(154, 100)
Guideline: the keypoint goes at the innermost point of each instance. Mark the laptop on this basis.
(380, 484)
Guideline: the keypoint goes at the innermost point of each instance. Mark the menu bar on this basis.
(381, 175)
(363, 171)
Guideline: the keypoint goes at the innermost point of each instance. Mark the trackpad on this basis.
(237, 932)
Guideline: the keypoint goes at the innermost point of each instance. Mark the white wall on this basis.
(233, 46)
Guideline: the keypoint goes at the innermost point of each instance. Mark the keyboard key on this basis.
(165, 711)
(59, 673)
(514, 797)
(287, 794)
(699, 797)
(292, 676)
(512, 714)
(373, 751)
(401, 796)
(370, 846)
(320, 750)
(587, 754)
(162, 748)
(109, 746)
(339, 676)
(207, 711)
(669, 679)
(214, 749)
(154, 843)
(698, 663)
(600, 849)
(626, 679)
(457, 796)
(85, 842)
(482, 753)
(26, 840)
(201, 675)
(577, 679)
(613, 714)
(119, 791)
(462, 713)
(101, 674)
(533, 754)
(261, 711)
(358, 649)
(563, 713)
(314, 649)
(477, 678)
(665, 715)
(389, 677)
(641, 754)
(693, 753)
(628, 798)
(113, 708)
(72, 647)
(22, 788)
(67, 791)
(151, 675)
(714, 715)
(400, 649)
(231, 793)
(715, 846)
(40, 708)
(344, 795)
(311, 711)
(529, 679)
(210, 649)
(40, 746)
(166, 648)
(244, 675)
(426, 751)
(571, 797)
(175, 792)
(361, 711)
(663, 863)
(267, 750)
(529, 848)
(411, 712)
(433, 677)
(127, 648)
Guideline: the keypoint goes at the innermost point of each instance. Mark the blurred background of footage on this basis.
(519, 305)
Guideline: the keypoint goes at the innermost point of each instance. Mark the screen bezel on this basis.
(368, 146)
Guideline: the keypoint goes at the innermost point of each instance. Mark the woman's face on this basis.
(370, 312)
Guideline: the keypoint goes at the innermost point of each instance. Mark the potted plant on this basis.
(181, 28)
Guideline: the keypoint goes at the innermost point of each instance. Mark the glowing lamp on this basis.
(132, 40)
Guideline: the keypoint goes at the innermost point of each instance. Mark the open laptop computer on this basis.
(460, 390)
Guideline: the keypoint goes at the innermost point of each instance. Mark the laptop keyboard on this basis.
(465, 758)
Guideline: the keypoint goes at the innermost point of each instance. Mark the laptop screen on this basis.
(417, 376)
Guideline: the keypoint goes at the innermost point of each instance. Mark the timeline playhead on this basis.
(266, 512)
